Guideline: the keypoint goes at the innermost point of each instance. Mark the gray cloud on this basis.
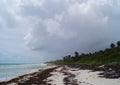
(82, 26)
(60, 27)
(8, 19)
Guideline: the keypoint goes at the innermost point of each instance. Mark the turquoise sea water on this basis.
(8, 71)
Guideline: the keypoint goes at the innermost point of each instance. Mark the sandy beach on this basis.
(63, 75)
(73, 76)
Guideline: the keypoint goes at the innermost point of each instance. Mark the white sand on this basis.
(12, 84)
(86, 77)
(83, 77)
(57, 78)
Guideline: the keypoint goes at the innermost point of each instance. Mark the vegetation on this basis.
(108, 56)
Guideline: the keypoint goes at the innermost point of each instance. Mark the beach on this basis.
(67, 75)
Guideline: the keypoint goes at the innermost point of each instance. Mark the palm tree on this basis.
(112, 45)
(118, 44)
(76, 54)
(69, 57)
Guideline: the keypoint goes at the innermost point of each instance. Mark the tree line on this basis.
(109, 55)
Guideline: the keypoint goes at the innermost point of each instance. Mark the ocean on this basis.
(9, 71)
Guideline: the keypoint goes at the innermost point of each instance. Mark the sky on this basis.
(35, 31)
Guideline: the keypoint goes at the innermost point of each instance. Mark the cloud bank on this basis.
(59, 27)
(66, 26)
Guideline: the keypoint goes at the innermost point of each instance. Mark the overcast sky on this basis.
(34, 31)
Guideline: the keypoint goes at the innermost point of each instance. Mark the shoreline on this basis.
(24, 77)
(10, 71)
(70, 75)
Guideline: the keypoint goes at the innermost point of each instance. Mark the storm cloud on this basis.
(66, 26)
(54, 28)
